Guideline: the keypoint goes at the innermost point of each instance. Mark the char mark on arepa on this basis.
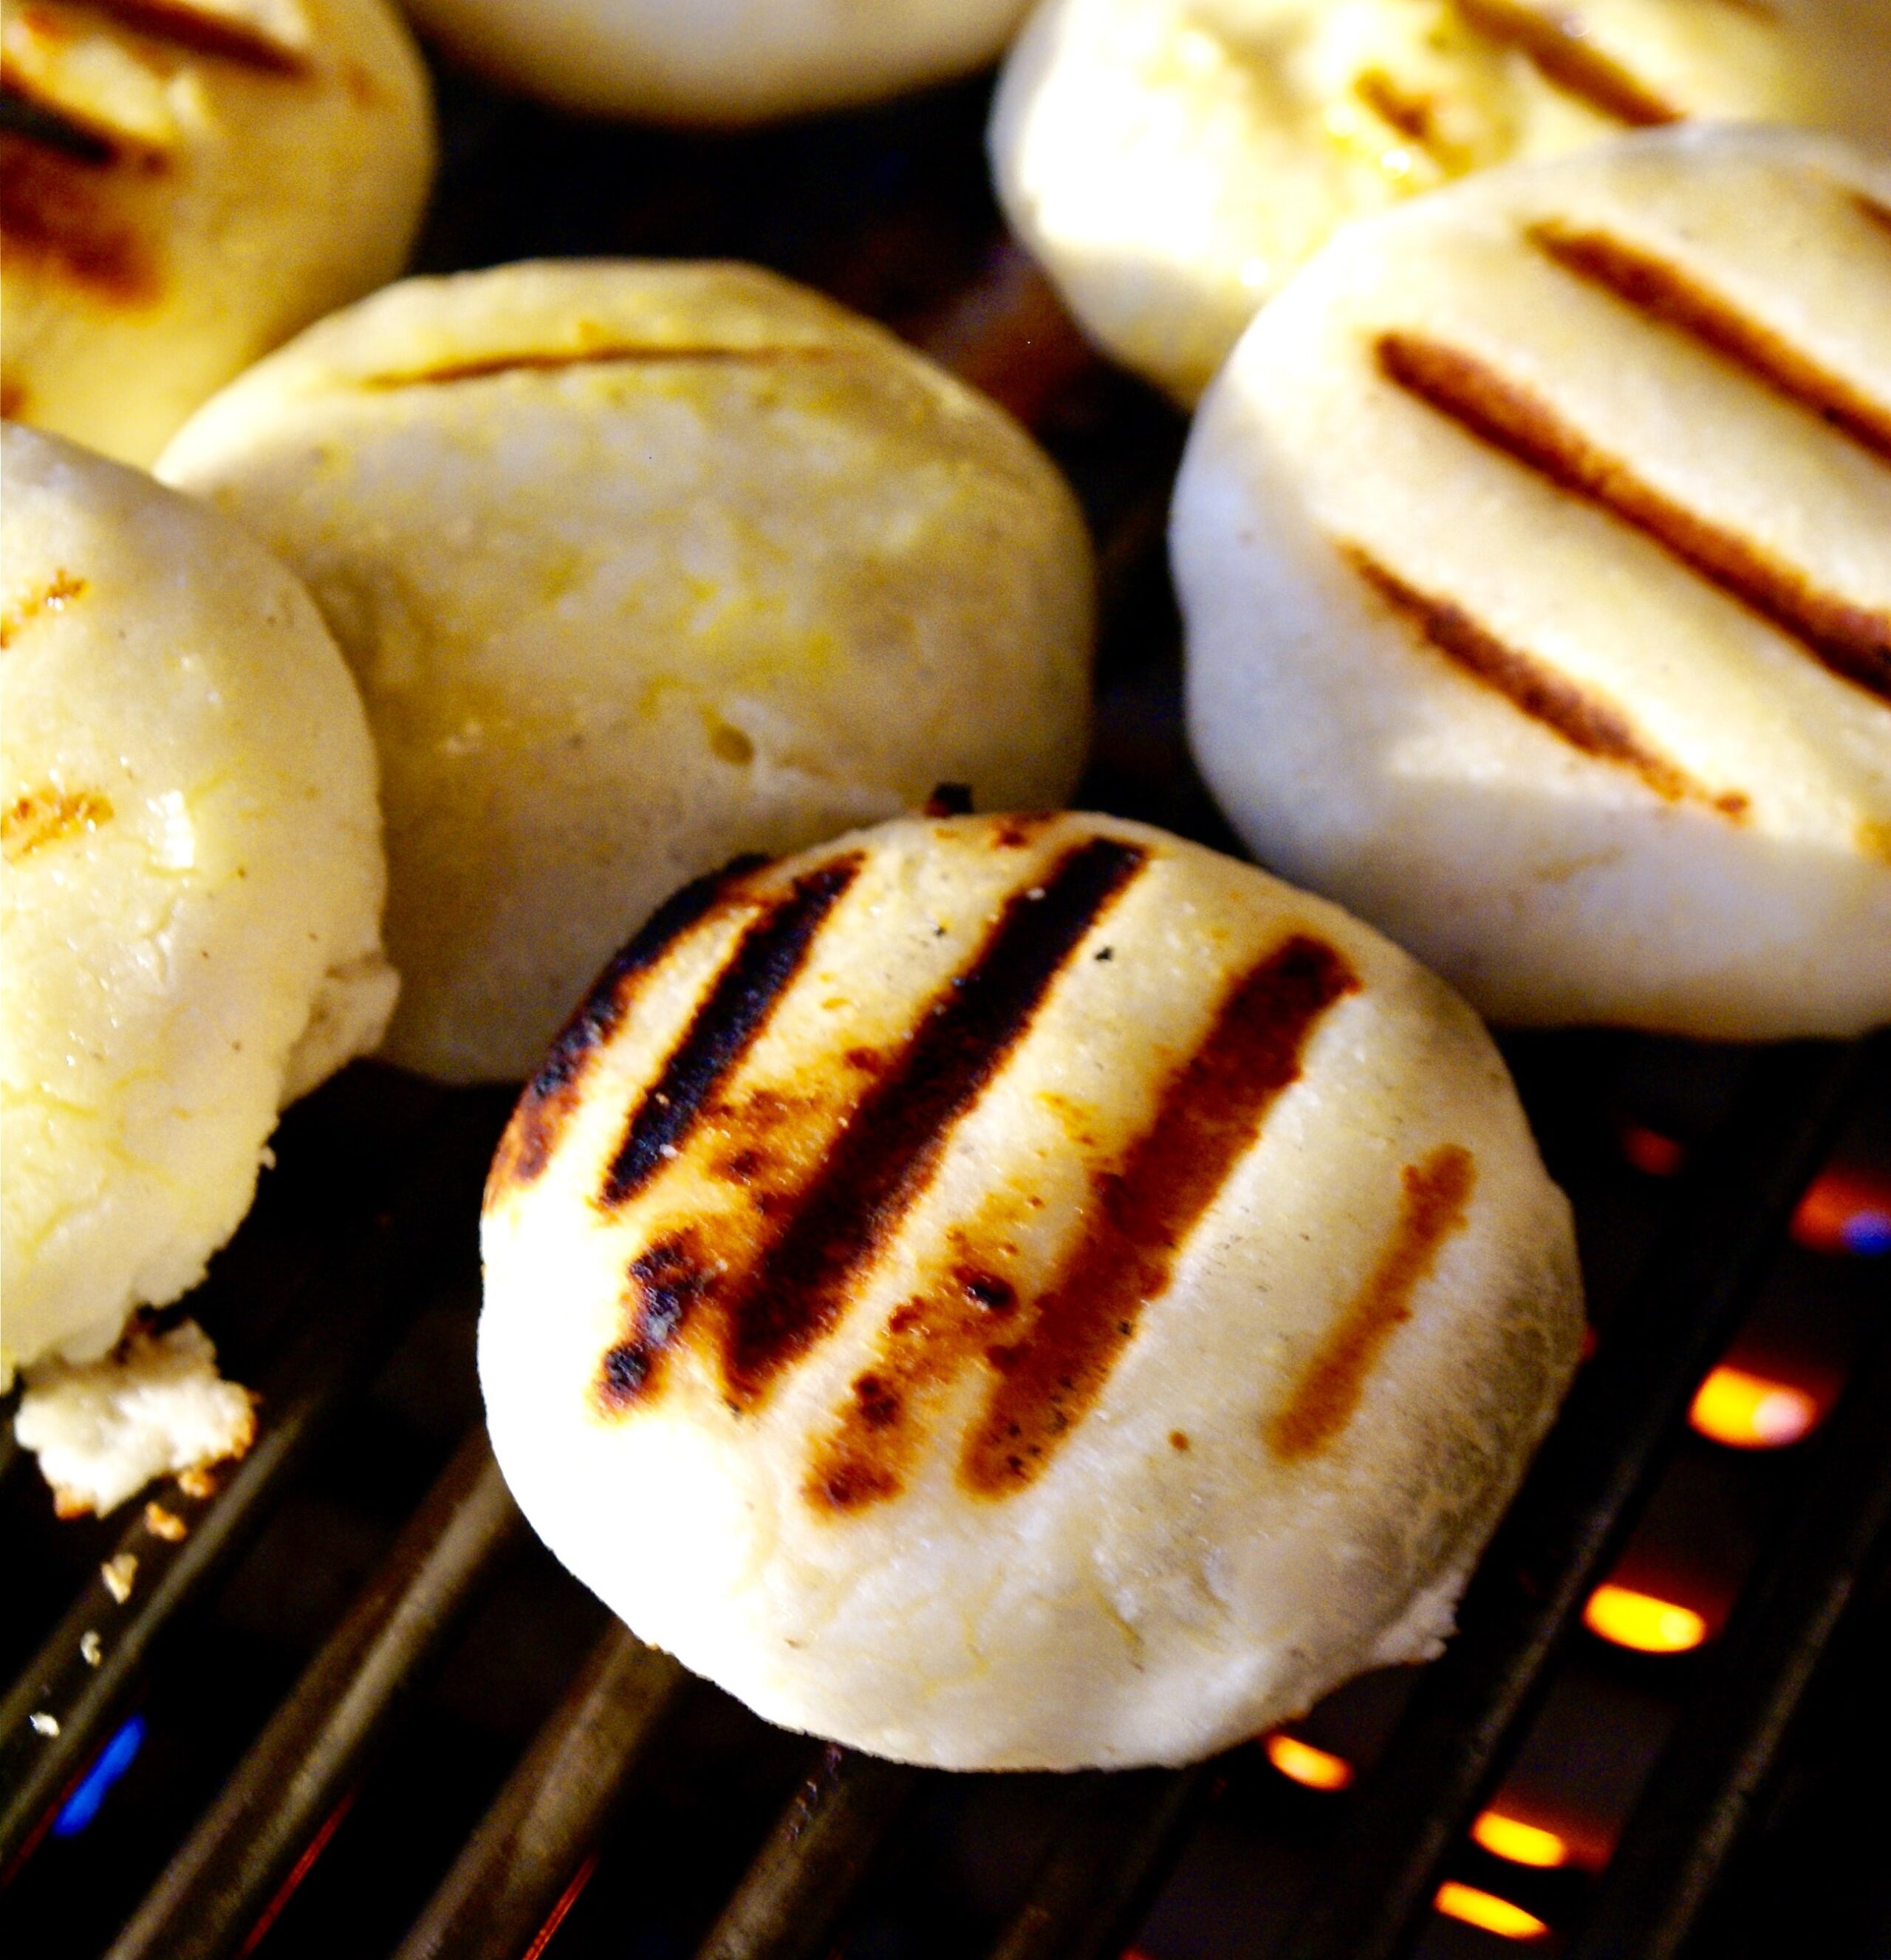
(1679, 299)
(624, 355)
(1596, 727)
(886, 1156)
(551, 1094)
(770, 953)
(1432, 1199)
(1850, 640)
(1561, 52)
(1141, 1214)
(219, 35)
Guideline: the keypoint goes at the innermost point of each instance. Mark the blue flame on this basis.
(113, 1761)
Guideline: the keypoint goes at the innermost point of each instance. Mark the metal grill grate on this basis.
(362, 1249)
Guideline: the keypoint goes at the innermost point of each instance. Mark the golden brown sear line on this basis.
(1141, 1214)
(1413, 116)
(1557, 47)
(52, 598)
(778, 1278)
(1872, 210)
(58, 212)
(1665, 292)
(1432, 1200)
(550, 1096)
(1850, 640)
(1596, 727)
(181, 25)
(43, 816)
(627, 356)
(34, 118)
(766, 958)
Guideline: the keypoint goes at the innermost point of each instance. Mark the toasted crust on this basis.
(1007, 1292)
(1544, 529)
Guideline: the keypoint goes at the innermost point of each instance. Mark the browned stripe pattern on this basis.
(1664, 291)
(627, 355)
(1414, 117)
(1432, 1200)
(216, 35)
(58, 211)
(30, 116)
(1852, 641)
(769, 954)
(1597, 727)
(549, 1097)
(1557, 45)
(1209, 1116)
(775, 1296)
(43, 816)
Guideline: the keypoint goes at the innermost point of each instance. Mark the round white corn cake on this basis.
(185, 184)
(720, 61)
(639, 566)
(1021, 1292)
(192, 888)
(1535, 553)
(1172, 162)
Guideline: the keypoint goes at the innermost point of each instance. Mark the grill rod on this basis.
(237, 1860)
(356, 1310)
(1696, 1805)
(817, 1854)
(1622, 1417)
(530, 1846)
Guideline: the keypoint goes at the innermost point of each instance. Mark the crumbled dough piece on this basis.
(154, 1407)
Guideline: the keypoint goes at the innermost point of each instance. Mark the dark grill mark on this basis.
(1874, 212)
(34, 119)
(1852, 641)
(766, 958)
(626, 355)
(885, 1156)
(183, 26)
(549, 1098)
(666, 1282)
(1210, 1112)
(1413, 116)
(56, 212)
(54, 597)
(1432, 1199)
(43, 816)
(1666, 293)
(1555, 44)
(1596, 727)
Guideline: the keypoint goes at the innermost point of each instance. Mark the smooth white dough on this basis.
(191, 890)
(720, 61)
(1177, 1576)
(1172, 162)
(640, 566)
(1675, 814)
(263, 161)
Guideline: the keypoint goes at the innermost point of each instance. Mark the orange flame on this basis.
(1628, 1618)
(1317, 1768)
(1486, 1911)
(1748, 1412)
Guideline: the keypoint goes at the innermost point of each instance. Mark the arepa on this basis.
(1172, 162)
(1535, 553)
(1021, 1292)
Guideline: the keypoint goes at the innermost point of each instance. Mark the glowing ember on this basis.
(1650, 1152)
(1747, 1411)
(1486, 1911)
(1639, 1620)
(1522, 1843)
(1845, 1211)
(1303, 1763)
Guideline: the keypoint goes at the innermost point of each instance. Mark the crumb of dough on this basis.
(155, 1405)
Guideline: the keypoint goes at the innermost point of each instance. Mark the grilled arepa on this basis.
(1013, 1292)
(1535, 553)
(192, 888)
(1172, 162)
(733, 62)
(184, 184)
(639, 566)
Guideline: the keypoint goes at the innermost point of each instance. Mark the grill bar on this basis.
(354, 1312)
(1622, 1417)
(519, 1866)
(1108, 1860)
(817, 1854)
(238, 1859)
(1691, 1815)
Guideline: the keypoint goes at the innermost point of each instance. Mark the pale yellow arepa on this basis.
(639, 566)
(1021, 1292)
(186, 184)
(192, 886)
(1172, 162)
(1534, 549)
